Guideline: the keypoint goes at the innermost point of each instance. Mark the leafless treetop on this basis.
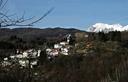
(9, 20)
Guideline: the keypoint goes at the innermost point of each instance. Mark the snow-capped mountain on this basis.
(102, 27)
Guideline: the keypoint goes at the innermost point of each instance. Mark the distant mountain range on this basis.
(32, 33)
(102, 27)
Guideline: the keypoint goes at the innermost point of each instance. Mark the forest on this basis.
(100, 57)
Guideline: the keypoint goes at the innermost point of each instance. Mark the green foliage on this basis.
(111, 36)
(6, 45)
(102, 36)
(72, 41)
(114, 36)
(43, 57)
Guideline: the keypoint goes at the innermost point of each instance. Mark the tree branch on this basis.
(6, 20)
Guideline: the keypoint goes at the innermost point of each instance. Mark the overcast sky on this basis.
(73, 13)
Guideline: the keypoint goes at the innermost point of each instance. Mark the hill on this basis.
(33, 33)
(25, 38)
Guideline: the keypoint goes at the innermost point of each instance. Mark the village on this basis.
(61, 48)
(23, 58)
(30, 57)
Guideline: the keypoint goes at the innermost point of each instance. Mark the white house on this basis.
(64, 51)
(54, 53)
(57, 46)
(19, 56)
(25, 54)
(5, 59)
(24, 63)
(63, 43)
(12, 57)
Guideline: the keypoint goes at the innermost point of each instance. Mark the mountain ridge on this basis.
(33, 33)
(103, 27)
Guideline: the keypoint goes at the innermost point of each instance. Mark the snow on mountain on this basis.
(102, 27)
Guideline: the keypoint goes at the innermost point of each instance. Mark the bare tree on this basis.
(9, 20)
